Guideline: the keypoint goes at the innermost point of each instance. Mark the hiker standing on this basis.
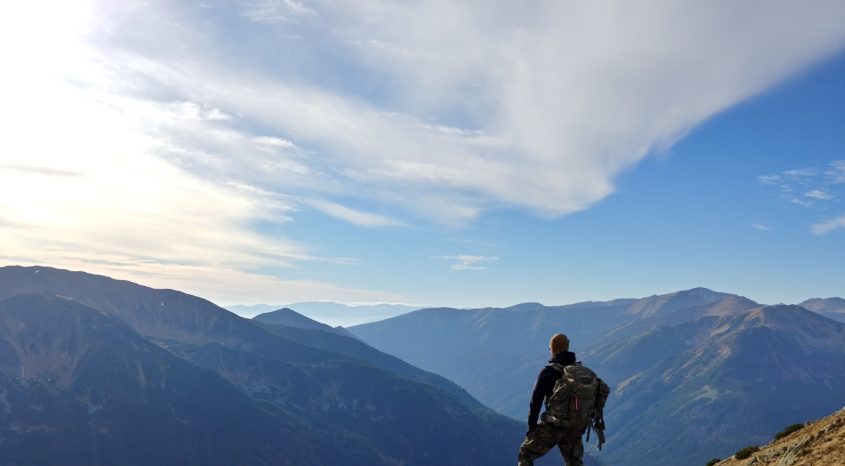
(575, 400)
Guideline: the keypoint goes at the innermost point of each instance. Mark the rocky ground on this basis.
(819, 443)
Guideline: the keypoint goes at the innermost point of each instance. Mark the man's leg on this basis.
(572, 449)
(537, 443)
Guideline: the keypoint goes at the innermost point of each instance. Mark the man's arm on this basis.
(542, 388)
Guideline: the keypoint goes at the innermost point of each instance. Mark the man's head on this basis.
(559, 343)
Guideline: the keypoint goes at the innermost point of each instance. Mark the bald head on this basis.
(559, 343)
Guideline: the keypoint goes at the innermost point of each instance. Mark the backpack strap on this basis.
(556, 366)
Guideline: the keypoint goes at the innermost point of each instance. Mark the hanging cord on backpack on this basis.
(597, 421)
(598, 425)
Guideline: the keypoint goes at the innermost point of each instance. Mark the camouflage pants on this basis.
(545, 436)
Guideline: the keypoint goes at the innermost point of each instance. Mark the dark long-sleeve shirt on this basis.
(545, 384)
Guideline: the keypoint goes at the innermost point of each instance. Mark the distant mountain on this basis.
(718, 383)
(81, 388)
(331, 313)
(707, 370)
(314, 403)
(496, 353)
(814, 444)
(322, 337)
(290, 318)
(832, 308)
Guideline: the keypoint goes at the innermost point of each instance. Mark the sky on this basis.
(479, 153)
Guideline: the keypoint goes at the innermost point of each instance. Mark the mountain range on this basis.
(330, 312)
(695, 373)
(102, 371)
(832, 308)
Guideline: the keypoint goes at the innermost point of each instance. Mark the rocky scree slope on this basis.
(819, 443)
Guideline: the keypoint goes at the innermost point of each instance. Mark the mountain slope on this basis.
(832, 308)
(290, 318)
(496, 353)
(718, 383)
(92, 391)
(710, 371)
(359, 408)
(818, 443)
(336, 342)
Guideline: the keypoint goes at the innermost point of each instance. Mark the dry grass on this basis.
(821, 443)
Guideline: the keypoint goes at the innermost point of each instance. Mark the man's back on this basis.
(564, 398)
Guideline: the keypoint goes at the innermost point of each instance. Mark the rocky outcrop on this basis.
(819, 443)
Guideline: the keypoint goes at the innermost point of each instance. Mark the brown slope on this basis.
(819, 443)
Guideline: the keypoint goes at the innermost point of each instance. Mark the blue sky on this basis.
(429, 152)
(698, 214)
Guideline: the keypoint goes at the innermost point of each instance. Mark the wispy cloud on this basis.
(836, 171)
(800, 173)
(356, 217)
(760, 226)
(466, 117)
(189, 125)
(809, 187)
(821, 186)
(275, 11)
(47, 171)
(467, 261)
(827, 226)
(819, 194)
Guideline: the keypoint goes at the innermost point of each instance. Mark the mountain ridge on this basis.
(356, 400)
(671, 360)
(122, 395)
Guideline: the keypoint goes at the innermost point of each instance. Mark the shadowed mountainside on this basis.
(79, 388)
(290, 318)
(372, 415)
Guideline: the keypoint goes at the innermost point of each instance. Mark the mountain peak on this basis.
(690, 304)
(824, 304)
(529, 306)
(290, 318)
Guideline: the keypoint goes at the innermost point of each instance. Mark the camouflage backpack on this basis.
(573, 401)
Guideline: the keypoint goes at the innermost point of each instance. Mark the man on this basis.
(566, 425)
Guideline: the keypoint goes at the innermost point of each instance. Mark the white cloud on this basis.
(836, 171)
(94, 179)
(356, 217)
(480, 105)
(467, 261)
(819, 194)
(769, 179)
(800, 173)
(801, 202)
(816, 184)
(760, 226)
(275, 11)
(184, 128)
(827, 226)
